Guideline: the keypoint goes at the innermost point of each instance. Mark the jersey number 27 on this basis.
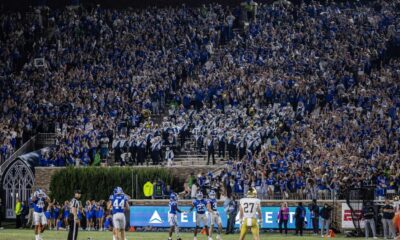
(248, 207)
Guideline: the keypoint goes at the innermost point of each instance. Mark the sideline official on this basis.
(73, 217)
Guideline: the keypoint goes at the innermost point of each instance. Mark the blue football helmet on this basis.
(199, 196)
(118, 191)
(173, 197)
(212, 194)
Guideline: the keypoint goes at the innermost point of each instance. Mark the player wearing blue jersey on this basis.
(212, 207)
(118, 203)
(172, 216)
(39, 200)
(200, 205)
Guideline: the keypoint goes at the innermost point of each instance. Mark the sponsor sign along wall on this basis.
(157, 216)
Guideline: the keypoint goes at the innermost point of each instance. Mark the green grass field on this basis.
(13, 234)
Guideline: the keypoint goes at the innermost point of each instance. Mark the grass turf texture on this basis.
(15, 234)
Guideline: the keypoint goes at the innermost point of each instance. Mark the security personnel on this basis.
(73, 217)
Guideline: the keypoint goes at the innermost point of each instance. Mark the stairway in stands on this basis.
(190, 156)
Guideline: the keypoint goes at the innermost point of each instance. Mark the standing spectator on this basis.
(230, 20)
(283, 217)
(232, 209)
(325, 214)
(369, 214)
(221, 145)
(191, 179)
(314, 212)
(169, 157)
(194, 189)
(24, 213)
(18, 211)
(159, 189)
(141, 151)
(210, 149)
(155, 150)
(387, 220)
(300, 216)
(104, 141)
(29, 222)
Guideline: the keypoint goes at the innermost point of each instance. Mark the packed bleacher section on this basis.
(305, 100)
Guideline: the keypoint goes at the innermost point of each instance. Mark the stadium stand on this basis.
(301, 103)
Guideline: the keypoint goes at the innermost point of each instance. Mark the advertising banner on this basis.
(347, 221)
(157, 216)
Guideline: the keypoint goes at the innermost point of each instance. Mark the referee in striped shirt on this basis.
(73, 219)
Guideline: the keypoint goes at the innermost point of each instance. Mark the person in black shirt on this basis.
(73, 219)
(387, 220)
(300, 216)
(231, 210)
(325, 214)
(369, 215)
(314, 210)
(24, 213)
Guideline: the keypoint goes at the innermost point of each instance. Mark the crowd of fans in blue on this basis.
(305, 100)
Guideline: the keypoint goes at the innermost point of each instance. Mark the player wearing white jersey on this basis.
(250, 209)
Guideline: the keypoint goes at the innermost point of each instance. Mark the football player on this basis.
(39, 200)
(172, 216)
(212, 205)
(200, 205)
(118, 203)
(250, 208)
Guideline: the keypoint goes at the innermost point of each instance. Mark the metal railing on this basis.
(45, 139)
(38, 141)
(27, 147)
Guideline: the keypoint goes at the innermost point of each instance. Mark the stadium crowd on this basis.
(305, 100)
